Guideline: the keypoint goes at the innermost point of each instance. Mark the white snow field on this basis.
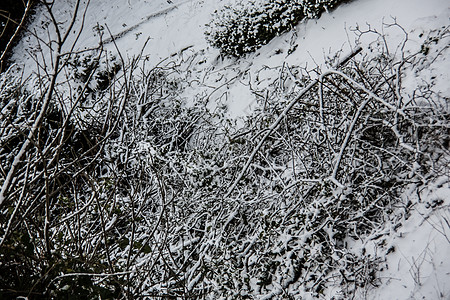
(172, 27)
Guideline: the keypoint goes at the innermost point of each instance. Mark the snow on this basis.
(130, 23)
(171, 27)
(332, 33)
(419, 267)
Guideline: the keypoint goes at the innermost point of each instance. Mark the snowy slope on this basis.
(171, 27)
(418, 268)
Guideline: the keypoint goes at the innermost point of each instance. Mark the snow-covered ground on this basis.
(175, 26)
(418, 268)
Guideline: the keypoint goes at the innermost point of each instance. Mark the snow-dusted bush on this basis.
(60, 153)
(248, 25)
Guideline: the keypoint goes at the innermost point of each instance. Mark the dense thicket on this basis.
(126, 189)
